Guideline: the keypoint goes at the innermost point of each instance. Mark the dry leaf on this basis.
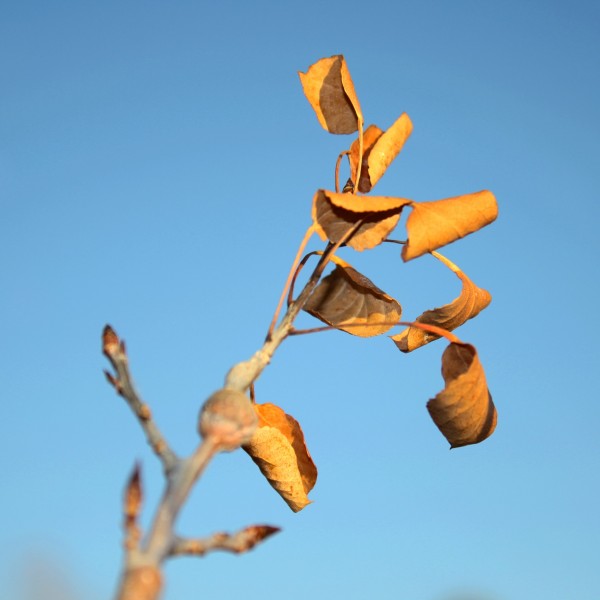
(469, 304)
(349, 301)
(431, 225)
(380, 149)
(463, 411)
(279, 450)
(334, 214)
(329, 88)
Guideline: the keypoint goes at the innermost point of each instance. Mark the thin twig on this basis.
(299, 268)
(114, 350)
(241, 541)
(337, 169)
(303, 243)
(417, 324)
(360, 154)
(178, 487)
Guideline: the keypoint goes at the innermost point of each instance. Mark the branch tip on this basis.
(110, 340)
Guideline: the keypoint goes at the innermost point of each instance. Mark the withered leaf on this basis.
(431, 225)
(279, 450)
(463, 411)
(349, 301)
(469, 304)
(329, 88)
(334, 214)
(380, 149)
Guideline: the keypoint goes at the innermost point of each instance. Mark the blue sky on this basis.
(157, 165)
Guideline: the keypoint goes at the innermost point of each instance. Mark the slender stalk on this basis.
(424, 326)
(360, 154)
(299, 268)
(337, 169)
(114, 350)
(307, 236)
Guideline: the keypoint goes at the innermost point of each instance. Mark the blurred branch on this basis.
(239, 542)
(114, 350)
(224, 423)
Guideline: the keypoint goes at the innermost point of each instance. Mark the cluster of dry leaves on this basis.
(347, 300)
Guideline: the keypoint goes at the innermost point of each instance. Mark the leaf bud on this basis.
(228, 419)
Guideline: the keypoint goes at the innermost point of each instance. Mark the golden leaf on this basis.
(279, 450)
(469, 304)
(463, 411)
(380, 149)
(329, 88)
(349, 301)
(431, 225)
(334, 214)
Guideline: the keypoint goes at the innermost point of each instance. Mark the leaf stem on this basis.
(360, 153)
(424, 326)
(291, 274)
(299, 268)
(337, 169)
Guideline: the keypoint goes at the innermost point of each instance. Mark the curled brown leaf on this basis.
(469, 304)
(380, 149)
(431, 225)
(279, 450)
(334, 214)
(329, 88)
(349, 301)
(463, 411)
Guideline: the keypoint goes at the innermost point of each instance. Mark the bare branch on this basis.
(239, 542)
(179, 485)
(114, 350)
(240, 376)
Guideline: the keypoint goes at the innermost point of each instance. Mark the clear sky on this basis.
(157, 165)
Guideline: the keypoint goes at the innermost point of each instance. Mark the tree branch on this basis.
(241, 541)
(114, 350)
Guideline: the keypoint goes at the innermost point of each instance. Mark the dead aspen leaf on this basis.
(349, 301)
(329, 88)
(334, 214)
(380, 149)
(463, 411)
(431, 225)
(469, 304)
(279, 450)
